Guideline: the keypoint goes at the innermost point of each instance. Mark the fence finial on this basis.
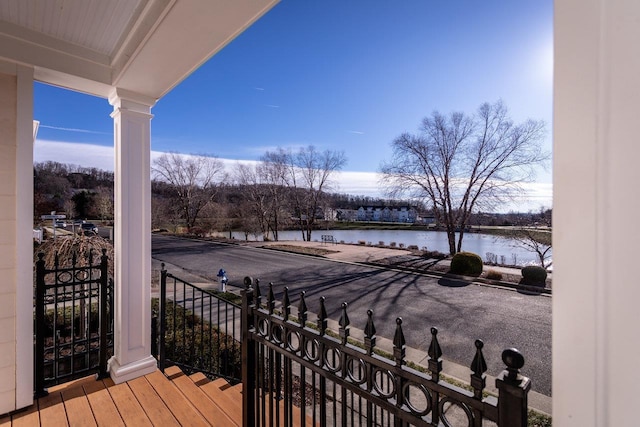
(478, 368)
(271, 299)
(322, 317)
(435, 354)
(286, 305)
(514, 361)
(257, 295)
(369, 333)
(399, 343)
(344, 324)
(302, 310)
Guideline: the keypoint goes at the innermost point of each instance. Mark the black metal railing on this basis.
(294, 373)
(197, 330)
(73, 321)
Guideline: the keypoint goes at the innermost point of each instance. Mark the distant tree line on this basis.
(76, 191)
(286, 189)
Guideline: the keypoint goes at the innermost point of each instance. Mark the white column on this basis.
(596, 233)
(132, 236)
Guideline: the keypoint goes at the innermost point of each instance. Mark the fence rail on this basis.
(294, 372)
(197, 330)
(73, 321)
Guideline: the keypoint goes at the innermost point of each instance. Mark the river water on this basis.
(507, 250)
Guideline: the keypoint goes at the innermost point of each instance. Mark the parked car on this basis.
(60, 224)
(89, 228)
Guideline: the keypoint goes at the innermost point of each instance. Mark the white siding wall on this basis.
(8, 202)
(596, 296)
(16, 247)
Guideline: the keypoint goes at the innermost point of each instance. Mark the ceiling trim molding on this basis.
(72, 82)
(138, 34)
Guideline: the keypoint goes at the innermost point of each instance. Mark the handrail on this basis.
(198, 331)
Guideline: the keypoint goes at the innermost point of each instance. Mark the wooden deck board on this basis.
(77, 406)
(104, 410)
(127, 404)
(157, 411)
(52, 413)
(152, 400)
(233, 407)
(27, 418)
(184, 412)
(209, 410)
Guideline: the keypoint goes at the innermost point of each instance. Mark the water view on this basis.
(507, 250)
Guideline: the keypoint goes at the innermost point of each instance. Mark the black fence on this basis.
(73, 321)
(295, 373)
(196, 330)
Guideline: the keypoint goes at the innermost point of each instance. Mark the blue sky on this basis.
(341, 75)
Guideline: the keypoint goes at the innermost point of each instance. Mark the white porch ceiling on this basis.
(97, 25)
(143, 46)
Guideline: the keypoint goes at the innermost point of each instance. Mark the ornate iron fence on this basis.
(197, 330)
(73, 321)
(294, 373)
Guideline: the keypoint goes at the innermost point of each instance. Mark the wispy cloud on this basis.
(258, 88)
(74, 130)
(347, 182)
(357, 132)
(259, 150)
(272, 106)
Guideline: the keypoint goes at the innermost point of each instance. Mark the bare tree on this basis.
(104, 202)
(70, 208)
(307, 173)
(194, 180)
(256, 206)
(535, 241)
(459, 163)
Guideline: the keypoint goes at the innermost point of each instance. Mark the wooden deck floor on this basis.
(152, 400)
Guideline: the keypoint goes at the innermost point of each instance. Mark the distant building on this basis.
(405, 214)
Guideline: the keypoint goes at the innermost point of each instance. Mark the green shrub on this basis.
(466, 264)
(494, 275)
(533, 275)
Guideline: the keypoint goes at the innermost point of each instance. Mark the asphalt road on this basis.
(501, 318)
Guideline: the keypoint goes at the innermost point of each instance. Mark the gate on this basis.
(73, 321)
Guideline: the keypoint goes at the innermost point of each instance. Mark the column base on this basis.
(121, 373)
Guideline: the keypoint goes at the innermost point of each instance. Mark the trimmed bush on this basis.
(533, 275)
(466, 264)
(494, 275)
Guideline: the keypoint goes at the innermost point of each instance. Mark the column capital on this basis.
(125, 99)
